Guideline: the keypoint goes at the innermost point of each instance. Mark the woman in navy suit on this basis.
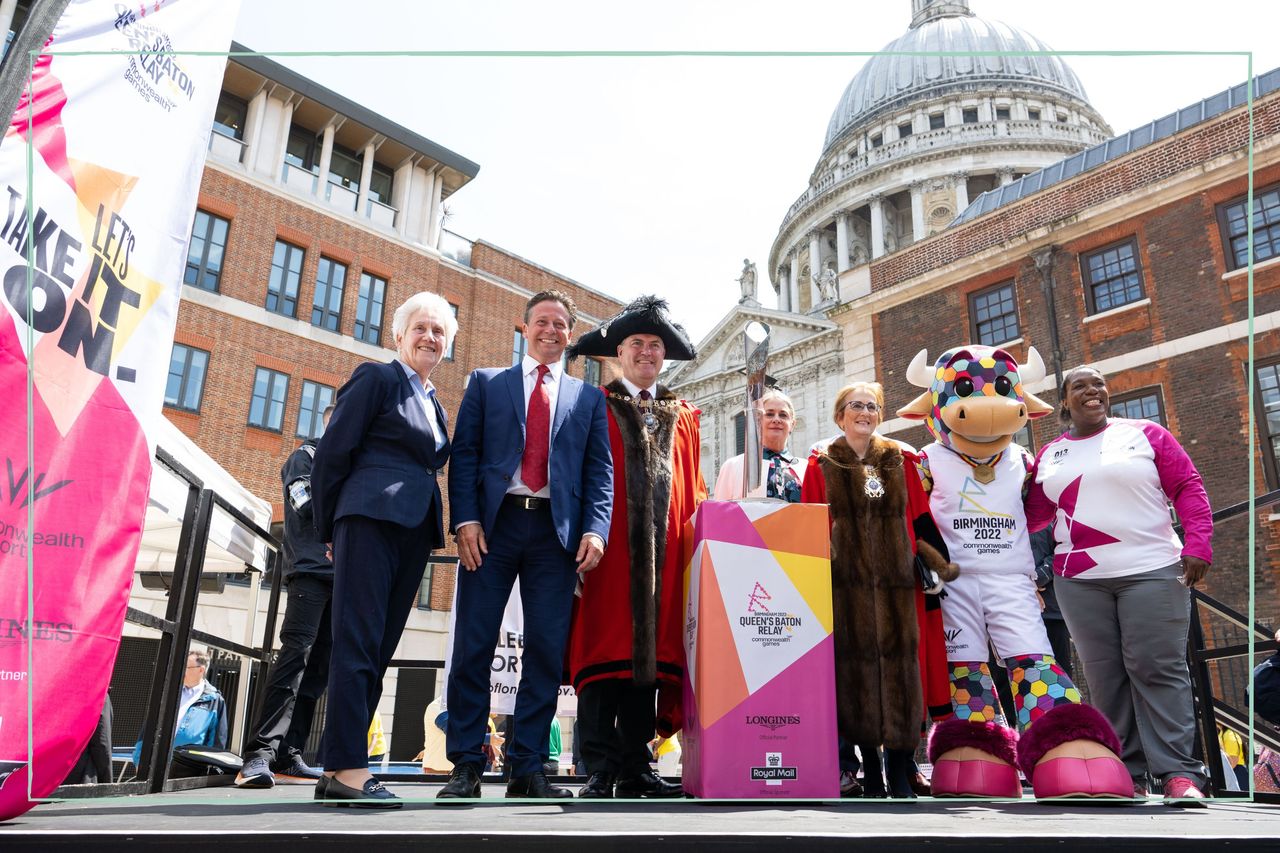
(377, 500)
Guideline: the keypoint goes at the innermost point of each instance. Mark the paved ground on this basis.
(223, 819)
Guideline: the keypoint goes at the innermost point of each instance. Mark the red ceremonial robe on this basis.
(934, 674)
(629, 620)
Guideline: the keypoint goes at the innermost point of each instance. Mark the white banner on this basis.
(504, 671)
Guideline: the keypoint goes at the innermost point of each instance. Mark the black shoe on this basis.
(322, 785)
(294, 771)
(255, 773)
(536, 786)
(899, 770)
(463, 784)
(646, 785)
(599, 787)
(372, 795)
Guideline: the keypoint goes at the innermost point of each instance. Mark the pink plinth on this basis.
(759, 692)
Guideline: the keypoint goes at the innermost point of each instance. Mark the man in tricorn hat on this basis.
(626, 657)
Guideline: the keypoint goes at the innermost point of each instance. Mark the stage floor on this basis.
(225, 819)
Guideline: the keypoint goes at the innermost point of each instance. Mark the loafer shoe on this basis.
(294, 771)
(371, 795)
(646, 785)
(463, 784)
(322, 785)
(535, 786)
(1181, 792)
(599, 787)
(255, 773)
(850, 787)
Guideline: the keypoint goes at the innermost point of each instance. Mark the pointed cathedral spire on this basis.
(923, 11)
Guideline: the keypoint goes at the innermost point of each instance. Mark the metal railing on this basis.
(1210, 709)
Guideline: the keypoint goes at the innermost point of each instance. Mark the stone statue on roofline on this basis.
(748, 281)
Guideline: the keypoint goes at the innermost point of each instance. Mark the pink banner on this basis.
(85, 334)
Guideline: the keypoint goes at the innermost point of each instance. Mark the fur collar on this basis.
(647, 458)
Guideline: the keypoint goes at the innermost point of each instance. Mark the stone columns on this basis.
(1005, 173)
(326, 158)
(918, 228)
(784, 288)
(794, 280)
(366, 175)
(286, 124)
(842, 240)
(815, 265)
(877, 225)
(961, 183)
(253, 129)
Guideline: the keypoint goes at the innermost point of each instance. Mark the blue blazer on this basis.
(489, 443)
(378, 455)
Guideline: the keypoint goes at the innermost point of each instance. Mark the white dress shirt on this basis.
(425, 395)
(634, 389)
(551, 382)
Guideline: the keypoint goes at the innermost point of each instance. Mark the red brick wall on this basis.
(488, 315)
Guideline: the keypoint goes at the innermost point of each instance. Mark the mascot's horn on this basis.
(1032, 371)
(920, 372)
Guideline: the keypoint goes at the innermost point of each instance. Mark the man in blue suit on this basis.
(530, 497)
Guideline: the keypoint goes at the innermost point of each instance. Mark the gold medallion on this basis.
(873, 487)
(984, 473)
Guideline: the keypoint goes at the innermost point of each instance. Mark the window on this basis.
(428, 583)
(303, 149)
(229, 116)
(1266, 228)
(380, 183)
(518, 344)
(266, 408)
(877, 140)
(904, 130)
(1023, 437)
(1002, 113)
(1268, 404)
(1033, 115)
(1139, 405)
(994, 314)
(187, 367)
(740, 432)
(449, 353)
(373, 292)
(591, 372)
(326, 307)
(969, 115)
(344, 169)
(286, 273)
(315, 399)
(204, 252)
(937, 120)
(1112, 277)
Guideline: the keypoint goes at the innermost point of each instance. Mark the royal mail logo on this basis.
(773, 772)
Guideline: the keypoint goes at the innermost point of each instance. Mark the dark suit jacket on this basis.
(489, 443)
(378, 455)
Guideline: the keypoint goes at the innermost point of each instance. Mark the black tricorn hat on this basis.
(647, 315)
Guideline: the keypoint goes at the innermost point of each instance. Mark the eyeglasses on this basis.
(859, 406)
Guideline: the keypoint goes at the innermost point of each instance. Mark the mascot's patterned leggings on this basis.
(1037, 682)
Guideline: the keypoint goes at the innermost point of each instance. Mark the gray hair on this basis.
(417, 302)
(201, 656)
(777, 394)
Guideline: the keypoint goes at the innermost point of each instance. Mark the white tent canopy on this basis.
(230, 546)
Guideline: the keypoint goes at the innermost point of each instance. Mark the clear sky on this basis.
(660, 174)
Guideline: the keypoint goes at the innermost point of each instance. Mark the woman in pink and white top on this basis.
(1105, 485)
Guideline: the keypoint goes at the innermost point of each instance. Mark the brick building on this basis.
(317, 218)
(1130, 256)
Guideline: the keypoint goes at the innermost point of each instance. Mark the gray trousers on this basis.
(1131, 634)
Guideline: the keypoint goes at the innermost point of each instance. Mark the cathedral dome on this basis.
(890, 80)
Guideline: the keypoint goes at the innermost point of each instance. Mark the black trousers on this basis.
(378, 567)
(300, 674)
(617, 718)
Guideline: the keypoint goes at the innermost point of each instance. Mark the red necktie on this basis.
(537, 435)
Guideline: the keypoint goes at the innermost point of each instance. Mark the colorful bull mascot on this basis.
(974, 404)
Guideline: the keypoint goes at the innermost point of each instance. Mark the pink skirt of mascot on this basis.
(973, 405)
